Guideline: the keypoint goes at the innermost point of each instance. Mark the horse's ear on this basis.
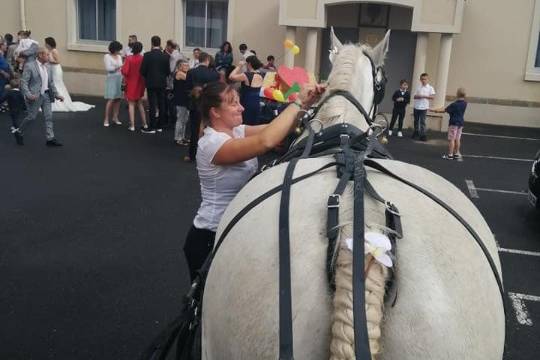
(378, 53)
(335, 45)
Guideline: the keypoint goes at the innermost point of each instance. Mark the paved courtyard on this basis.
(91, 234)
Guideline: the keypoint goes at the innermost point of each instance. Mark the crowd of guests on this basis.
(161, 84)
(172, 84)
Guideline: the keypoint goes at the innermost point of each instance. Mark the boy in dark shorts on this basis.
(455, 124)
(401, 98)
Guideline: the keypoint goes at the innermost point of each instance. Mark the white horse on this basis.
(448, 307)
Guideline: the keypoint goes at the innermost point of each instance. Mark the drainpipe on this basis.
(23, 16)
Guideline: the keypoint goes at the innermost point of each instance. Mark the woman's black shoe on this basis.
(53, 142)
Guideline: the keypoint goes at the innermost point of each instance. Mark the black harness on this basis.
(353, 150)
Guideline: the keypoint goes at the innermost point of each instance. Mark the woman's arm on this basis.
(125, 68)
(254, 129)
(242, 149)
(260, 140)
(237, 74)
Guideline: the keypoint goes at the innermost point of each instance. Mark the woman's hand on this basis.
(241, 63)
(310, 94)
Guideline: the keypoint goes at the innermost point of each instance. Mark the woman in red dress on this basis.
(134, 85)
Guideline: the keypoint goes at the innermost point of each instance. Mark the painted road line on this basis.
(502, 191)
(472, 189)
(501, 136)
(496, 158)
(518, 301)
(519, 252)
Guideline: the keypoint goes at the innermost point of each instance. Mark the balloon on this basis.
(288, 44)
(295, 50)
(278, 95)
(268, 93)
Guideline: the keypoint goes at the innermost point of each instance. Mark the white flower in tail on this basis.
(378, 245)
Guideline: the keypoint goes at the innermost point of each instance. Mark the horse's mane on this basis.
(341, 78)
(343, 67)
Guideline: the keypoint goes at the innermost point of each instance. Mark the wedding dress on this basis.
(67, 104)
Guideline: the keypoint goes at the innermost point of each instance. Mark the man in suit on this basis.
(196, 79)
(39, 92)
(154, 70)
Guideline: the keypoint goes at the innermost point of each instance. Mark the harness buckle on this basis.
(333, 201)
(344, 139)
(391, 208)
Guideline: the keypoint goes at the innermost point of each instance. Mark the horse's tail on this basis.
(342, 344)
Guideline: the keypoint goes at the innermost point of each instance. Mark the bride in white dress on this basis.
(58, 79)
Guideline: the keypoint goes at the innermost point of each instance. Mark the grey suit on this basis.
(30, 86)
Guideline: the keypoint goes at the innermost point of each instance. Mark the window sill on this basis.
(210, 51)
(98, 48)
(532, 75)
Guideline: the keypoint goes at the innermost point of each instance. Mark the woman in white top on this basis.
(57, 75)
(113, 82)
(227, 158)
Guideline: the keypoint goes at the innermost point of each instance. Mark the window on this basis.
(206, 23)
(532, 72)
(96, 20)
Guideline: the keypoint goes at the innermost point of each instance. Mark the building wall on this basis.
(145, 19)
(84, 69)
(256, 24)
(489, 56)
(11, 18)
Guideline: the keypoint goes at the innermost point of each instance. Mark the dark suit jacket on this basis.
(200, 76)
(16, 103)
(400, 105)
(155, 69)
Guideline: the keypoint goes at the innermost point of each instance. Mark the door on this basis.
(399, 64)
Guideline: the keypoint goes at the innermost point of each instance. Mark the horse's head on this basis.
(353, 71)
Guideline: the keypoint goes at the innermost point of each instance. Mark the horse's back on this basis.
(241, 293)
(447, 295)
(448, 302)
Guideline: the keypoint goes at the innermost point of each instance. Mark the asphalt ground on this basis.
(91, 234)
(493, 160)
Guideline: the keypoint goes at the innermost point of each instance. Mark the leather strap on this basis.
(285, 301)
(361, 338)
(347, 95)
(381, 168)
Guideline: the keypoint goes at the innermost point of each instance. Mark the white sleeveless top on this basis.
(219, 183)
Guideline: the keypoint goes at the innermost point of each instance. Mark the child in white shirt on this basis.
(422, 95)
